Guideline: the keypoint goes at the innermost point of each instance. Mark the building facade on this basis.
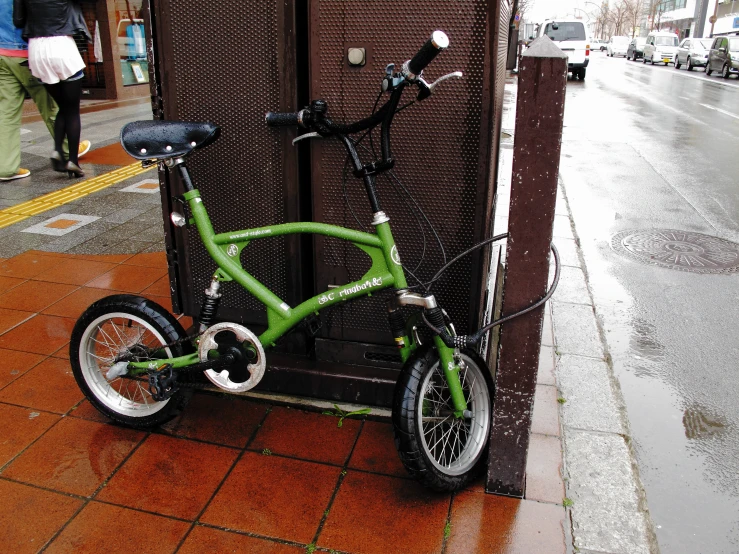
(117, 66)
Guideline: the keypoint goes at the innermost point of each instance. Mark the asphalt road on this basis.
(650, 147)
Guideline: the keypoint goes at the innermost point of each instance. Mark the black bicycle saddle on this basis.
(159, 140)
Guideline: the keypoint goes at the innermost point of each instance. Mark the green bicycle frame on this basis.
(386, 271)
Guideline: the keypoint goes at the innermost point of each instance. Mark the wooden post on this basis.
(542, 79)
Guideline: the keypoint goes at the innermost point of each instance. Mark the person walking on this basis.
(15, 81)
(51, 27)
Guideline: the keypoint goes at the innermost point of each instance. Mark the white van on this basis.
(660, 47)
(572, 38)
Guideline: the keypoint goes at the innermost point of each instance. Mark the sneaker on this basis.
(20, 175)
(84, 148)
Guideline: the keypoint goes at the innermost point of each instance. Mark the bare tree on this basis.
(601, 20)
(634, 12)
(617, 16)
(524, 6)
(656, 9)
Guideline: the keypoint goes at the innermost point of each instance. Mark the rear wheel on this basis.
(582, 74)
(441, 451)
(124, 325)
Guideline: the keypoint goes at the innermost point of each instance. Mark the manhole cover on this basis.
(682, 250)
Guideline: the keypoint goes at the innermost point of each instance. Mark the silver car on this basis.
(693, 52)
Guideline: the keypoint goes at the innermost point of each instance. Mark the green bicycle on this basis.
(132, 359)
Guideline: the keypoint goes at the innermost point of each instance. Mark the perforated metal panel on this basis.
(442, 148)
(230, 62)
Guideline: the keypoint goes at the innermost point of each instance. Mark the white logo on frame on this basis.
(232, 250)
(394, 255)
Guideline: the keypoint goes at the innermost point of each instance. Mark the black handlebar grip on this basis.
(277, 119)
(428, 52)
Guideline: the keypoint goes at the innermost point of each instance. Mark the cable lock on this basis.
(463, 341)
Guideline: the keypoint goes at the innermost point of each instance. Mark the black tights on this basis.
(67, 95)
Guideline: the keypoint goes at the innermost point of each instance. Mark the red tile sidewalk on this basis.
(228, 475)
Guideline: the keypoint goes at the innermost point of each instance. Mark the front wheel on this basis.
(677, 63)
(133, 326)
(708, 69)
(725, 71)
(441, 451)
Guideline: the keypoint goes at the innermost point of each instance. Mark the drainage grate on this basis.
(681, 250)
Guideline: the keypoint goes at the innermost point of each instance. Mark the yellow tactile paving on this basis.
(19, 212)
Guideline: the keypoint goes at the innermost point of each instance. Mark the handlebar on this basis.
(314, 117)
(276, 119)
(438, 42)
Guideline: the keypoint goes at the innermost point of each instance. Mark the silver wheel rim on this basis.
(454, 445)
(104, 339)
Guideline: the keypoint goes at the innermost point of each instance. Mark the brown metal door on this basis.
(230, 62)
(442, 149)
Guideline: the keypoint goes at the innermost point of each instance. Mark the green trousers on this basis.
(15, 81)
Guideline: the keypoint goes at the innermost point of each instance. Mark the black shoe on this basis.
(57, 162)
(73, 170)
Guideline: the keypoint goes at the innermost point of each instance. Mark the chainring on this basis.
(233, 338)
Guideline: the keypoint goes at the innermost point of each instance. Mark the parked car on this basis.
(570, 36)
(636, 48)
(724, 56)
(660, 47)
(597, 44)
(618, 46)
(692, 52)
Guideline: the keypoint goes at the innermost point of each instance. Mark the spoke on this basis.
(447, 436)
(122, 338)
(109, 340)
(437, 442)
(435, 426)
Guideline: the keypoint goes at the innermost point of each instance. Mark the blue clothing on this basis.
(10, 37)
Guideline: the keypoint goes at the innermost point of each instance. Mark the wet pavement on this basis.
(653, 148)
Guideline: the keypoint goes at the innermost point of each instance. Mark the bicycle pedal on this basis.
(312, 325)
(163, 383)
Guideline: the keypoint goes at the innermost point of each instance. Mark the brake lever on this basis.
(427, 89)
(306, 136)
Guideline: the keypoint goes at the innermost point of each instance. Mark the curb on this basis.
(609, 513)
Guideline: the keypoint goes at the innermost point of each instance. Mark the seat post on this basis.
(179, 163)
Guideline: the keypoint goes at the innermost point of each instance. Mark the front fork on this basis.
(448, 357)
(451, 373)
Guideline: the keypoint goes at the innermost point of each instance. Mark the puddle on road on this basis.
(699, 424)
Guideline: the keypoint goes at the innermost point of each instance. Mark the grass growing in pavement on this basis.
(561, 400)
(567, 502)
(341, 414)
(447, 530)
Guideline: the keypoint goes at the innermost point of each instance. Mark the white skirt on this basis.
(54, 59)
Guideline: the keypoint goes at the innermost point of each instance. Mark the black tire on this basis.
(690, 64)
(422, 371)
(678, 65)
(708, 69)
(128, 319)
(725, 71)
(581, 74)
(644, 60)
